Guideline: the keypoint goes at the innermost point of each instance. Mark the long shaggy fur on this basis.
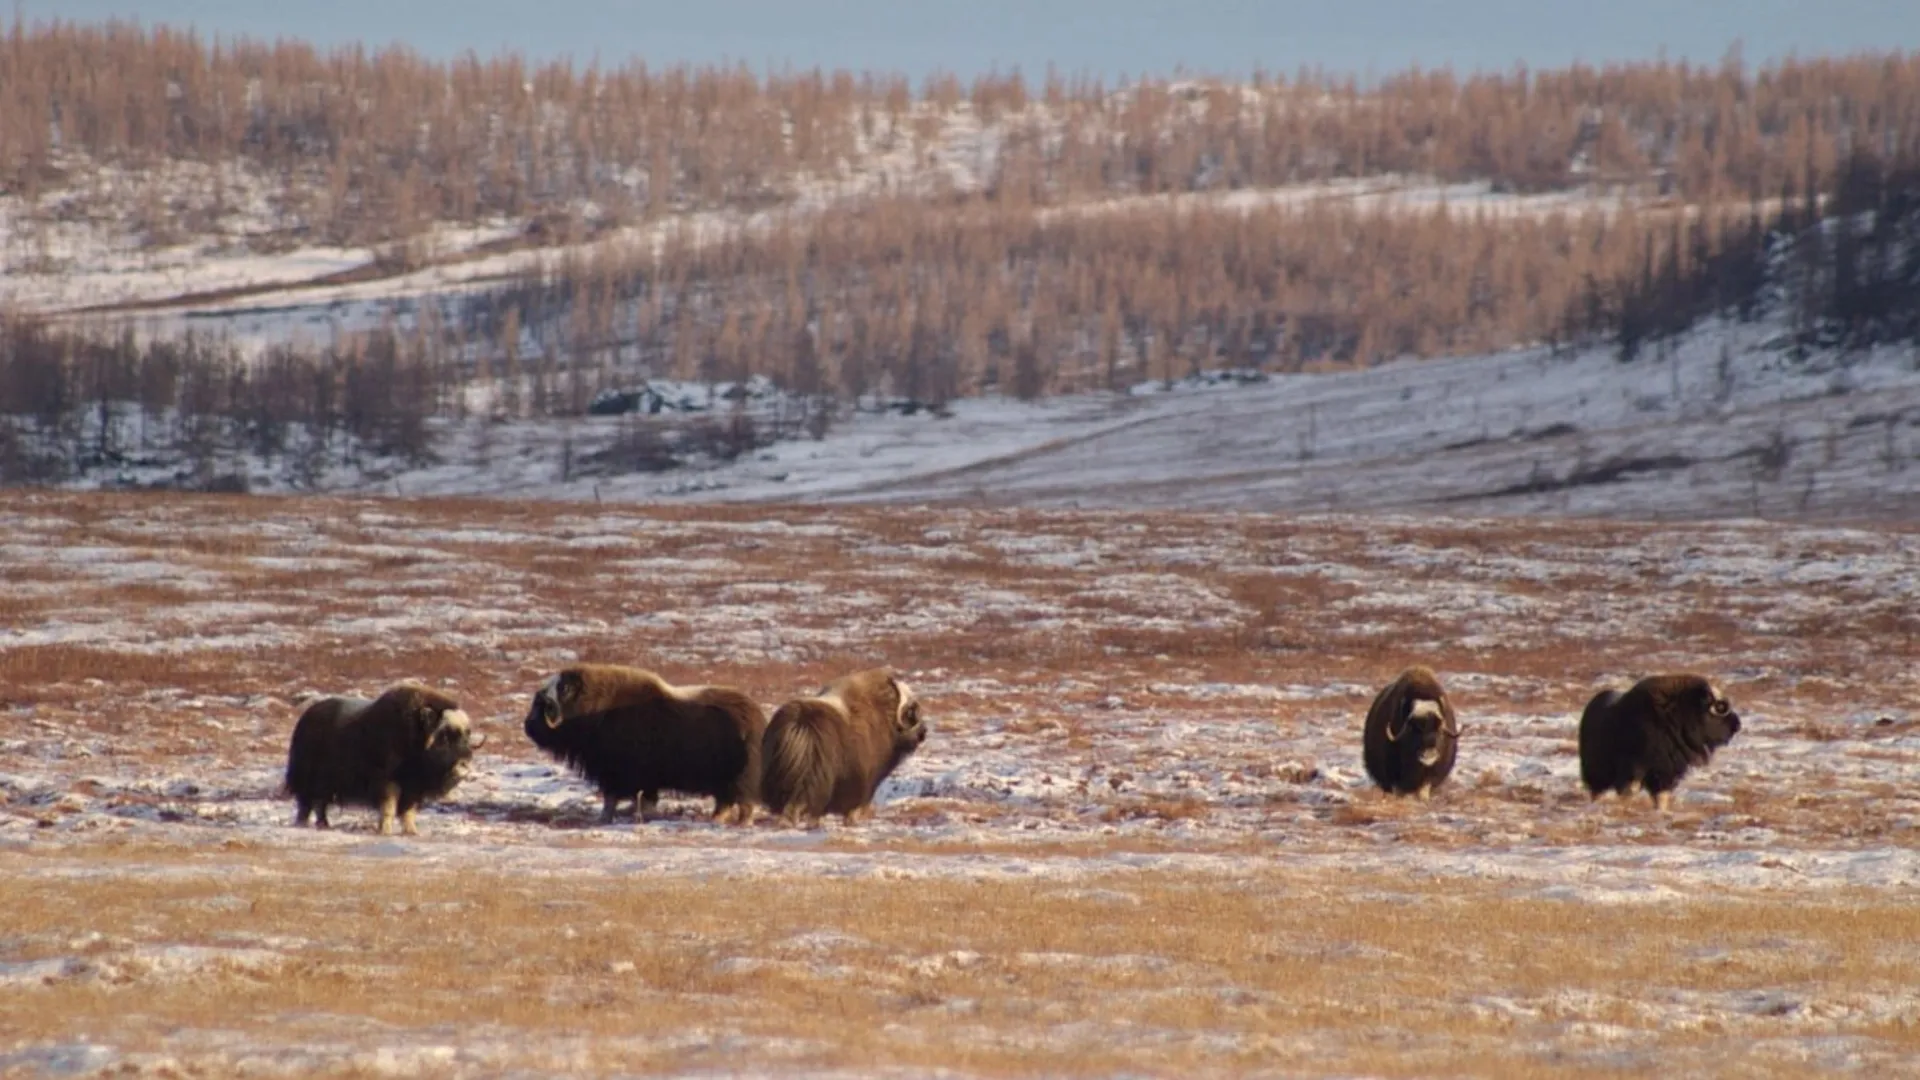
(829, 753)
(1650, 735)
(394, 752)
(1411, 734)
(633, 735)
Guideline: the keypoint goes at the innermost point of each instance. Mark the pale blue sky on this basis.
(1103, 37)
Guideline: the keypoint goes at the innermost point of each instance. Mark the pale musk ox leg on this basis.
(407, 823)
(389, 803)
(1663, 801)
(859, 815)
(1425, 792)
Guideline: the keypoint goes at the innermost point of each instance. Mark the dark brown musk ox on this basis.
(1411, 734)
(828, 753)
(633, 735)
(1650, 735)
(394, 752)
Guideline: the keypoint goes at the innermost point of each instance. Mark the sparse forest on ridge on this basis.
(842, 235)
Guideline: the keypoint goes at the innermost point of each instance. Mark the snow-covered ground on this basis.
(1141, 720)
(1045, 644)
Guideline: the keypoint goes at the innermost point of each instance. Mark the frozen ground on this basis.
(1141, 721)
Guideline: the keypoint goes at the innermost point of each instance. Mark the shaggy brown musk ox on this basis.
(828, 753)
(633, 735)
(1411, 734)
(1651, 734)
(394, 752)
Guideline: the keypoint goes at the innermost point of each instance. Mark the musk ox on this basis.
(633, 735)
(828, 753)
(393, 752)
(1650, 735)
(1411, 734)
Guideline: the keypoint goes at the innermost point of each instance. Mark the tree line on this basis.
(887, 302)
(1844, 271)
(371, 145)
(72, 403)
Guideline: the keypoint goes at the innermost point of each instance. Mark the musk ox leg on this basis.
(607, 803)
(648, 807)
(1425, 792)
(408, 824)
(320, 816)
(389, 805)
(859, 815)
(302, 813)
(1663, 800)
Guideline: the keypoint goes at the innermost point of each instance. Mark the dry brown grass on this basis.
(1055, 694)
(1178, 975)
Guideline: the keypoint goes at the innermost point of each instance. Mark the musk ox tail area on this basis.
(1598, 757)
(797, 766)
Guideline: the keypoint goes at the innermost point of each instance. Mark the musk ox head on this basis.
(556, 699)
(909, 727)
(1712, 723)
(447, 742)
(1427, 728)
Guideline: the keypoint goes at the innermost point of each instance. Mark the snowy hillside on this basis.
(1727, 424)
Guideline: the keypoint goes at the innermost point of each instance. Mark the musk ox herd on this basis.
(632, 735)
